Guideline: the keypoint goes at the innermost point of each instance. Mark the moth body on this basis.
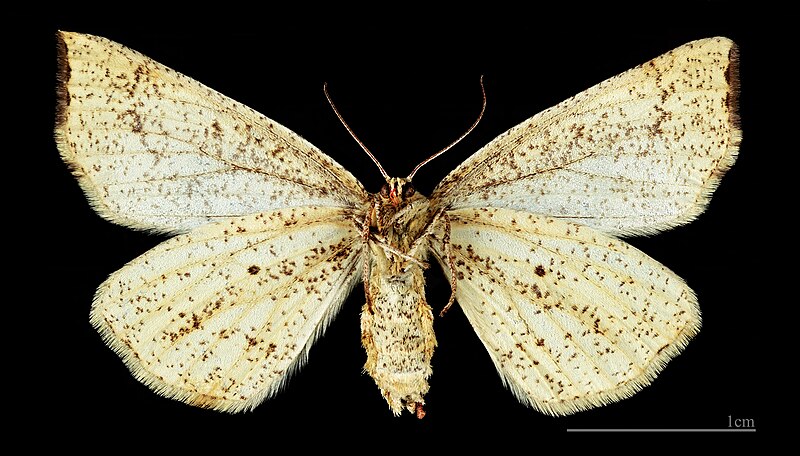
(396, 321)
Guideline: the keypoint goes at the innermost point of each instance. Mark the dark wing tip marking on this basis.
(732, 78)
(734, 121)
(62, 79)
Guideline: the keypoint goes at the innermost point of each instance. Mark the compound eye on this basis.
(409, 191)
(385, 191)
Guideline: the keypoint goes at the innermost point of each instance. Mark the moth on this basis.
(271, 234)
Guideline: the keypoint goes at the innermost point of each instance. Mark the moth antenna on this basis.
(480, 116)
(350, 130)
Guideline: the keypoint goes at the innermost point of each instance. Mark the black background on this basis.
(407, 87)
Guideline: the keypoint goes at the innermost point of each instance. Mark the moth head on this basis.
(397, 191)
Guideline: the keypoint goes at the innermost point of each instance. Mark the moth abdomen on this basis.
(397, 334)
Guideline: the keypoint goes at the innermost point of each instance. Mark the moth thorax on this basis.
(397, 190)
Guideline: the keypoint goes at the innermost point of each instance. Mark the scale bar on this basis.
(663, 430)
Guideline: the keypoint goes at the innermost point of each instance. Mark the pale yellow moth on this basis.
(272, 234)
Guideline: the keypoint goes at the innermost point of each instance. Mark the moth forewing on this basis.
(636, 154)
(154, 149)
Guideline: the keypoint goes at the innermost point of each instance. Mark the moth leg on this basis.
(441, 215)
(386, 246)
(429, 230)
(451, 264)
(376, 214)
(365, 281)
(363, 225)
